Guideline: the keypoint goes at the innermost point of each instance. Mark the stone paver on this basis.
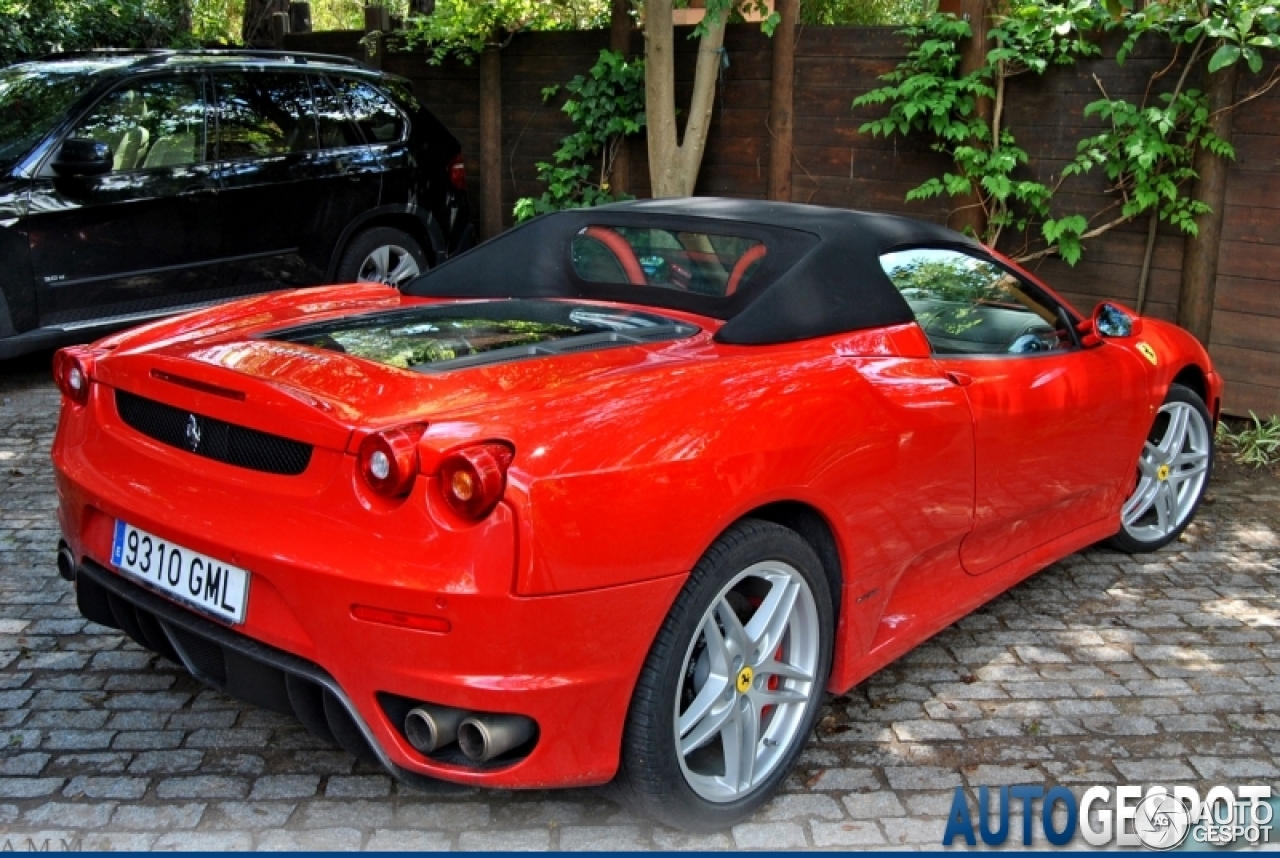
(1101, 669)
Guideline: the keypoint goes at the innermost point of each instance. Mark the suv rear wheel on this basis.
(382, 255)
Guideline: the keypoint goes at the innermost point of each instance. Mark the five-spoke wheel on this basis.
(382, 255)
(1173, 470)
(734, 681)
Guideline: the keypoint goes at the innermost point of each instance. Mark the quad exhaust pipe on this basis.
(430, 728)
(483, 737)
(66, 562)
(480, 737)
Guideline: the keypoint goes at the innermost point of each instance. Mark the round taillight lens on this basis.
(473, 479)
(388, 460)
(71, 374)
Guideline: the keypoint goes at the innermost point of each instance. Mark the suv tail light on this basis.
(388, 460)
(473, 479)
(458, 172)
(71, 370)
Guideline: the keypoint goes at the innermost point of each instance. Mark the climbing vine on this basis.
(606, 105)
(1146, 152)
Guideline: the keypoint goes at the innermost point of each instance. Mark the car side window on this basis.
(261, 115)
(969, 305)
(151, 124)
(336, 129)
(378, 118)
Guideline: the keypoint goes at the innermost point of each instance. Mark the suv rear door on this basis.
(294, 174)
(145, 235)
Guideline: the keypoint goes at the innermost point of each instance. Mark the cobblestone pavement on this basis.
(1101, 669)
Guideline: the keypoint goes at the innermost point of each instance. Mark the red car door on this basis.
(1056, 427)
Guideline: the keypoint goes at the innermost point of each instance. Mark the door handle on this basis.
(959, 379)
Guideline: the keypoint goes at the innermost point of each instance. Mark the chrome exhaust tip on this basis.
(483, 737)
(429, 728)
(66, 562)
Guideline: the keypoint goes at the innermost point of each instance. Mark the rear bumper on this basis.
(567, 661)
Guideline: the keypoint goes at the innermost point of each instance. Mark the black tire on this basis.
(653, 776)
(358, 263)
(1184, 480)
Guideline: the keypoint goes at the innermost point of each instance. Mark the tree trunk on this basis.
(1200, 254)
(781, 100)
(620, 42)
(969, 215)
(673, 166)
(490, 142)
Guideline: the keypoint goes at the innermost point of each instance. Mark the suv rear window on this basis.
(697, 262)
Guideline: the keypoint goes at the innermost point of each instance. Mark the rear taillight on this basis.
(71, 370)
(473, 479)
(388, 460)
(458, 172)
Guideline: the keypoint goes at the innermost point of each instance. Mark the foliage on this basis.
(605, 105)
(1236, 29)
(1256, 444)
(865, 13)
(463, 28)
(32, 28)
(928, 95)
(1146, 153)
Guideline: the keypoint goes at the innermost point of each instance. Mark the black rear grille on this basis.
(214, 439)
(227, 660)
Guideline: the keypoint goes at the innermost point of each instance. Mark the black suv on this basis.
(134, 185)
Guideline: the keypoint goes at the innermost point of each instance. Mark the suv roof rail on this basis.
(299, 57)
(101, 52)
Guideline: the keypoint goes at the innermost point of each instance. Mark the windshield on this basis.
(450, 336)
(32, 98)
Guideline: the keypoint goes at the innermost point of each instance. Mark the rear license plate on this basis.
(200, 581)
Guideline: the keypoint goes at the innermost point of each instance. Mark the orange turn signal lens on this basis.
(473, 479)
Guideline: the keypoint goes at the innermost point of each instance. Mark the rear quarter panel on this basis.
(635, 477)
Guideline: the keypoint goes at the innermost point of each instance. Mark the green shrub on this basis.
(1256, 444)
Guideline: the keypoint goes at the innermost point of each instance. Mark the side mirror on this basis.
(1114, 321)
(81, 157)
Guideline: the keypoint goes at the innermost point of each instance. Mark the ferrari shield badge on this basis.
(1148, 353)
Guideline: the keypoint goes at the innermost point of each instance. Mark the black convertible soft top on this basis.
(821, 276)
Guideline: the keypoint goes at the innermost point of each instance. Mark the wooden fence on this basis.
(836, 165)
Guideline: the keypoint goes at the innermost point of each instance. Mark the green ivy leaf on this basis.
(1223, 57)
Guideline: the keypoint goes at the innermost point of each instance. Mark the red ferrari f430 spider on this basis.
(618, 495)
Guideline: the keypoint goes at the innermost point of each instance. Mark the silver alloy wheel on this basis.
(389, 264)
(747, 681)
(1171, 473)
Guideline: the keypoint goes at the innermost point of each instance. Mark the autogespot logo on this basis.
(1158, 818)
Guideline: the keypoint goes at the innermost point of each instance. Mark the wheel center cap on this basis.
(1162, 473)
(745, 676)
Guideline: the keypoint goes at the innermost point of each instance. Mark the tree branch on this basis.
(1093, 233)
